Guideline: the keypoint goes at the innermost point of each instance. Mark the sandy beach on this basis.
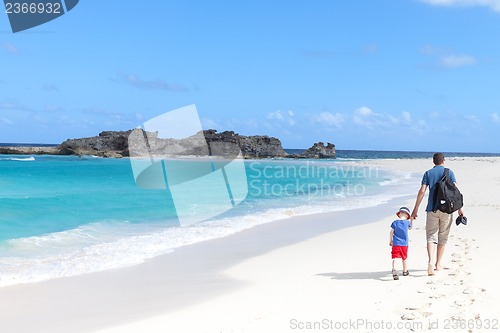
(323, 272)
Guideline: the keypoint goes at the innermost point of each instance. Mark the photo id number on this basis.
(32, 8)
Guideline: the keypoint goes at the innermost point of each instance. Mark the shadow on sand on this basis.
(380, 276)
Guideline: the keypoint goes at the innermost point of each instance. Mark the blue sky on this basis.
(378, 74)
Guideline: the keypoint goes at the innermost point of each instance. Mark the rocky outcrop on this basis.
(49, 150)
(204, 143)
(320, 150)
(106, 144)
(255, 146)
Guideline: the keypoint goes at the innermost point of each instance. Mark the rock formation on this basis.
(116, 144)
(319, 150)
(49, 150)
(106, 144)
(255, 146)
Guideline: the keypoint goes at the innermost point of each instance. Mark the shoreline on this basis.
(190, 274)
(274, 276)
(147, 242)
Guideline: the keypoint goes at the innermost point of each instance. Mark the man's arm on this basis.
(420, 197)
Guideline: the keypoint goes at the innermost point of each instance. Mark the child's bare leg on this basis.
(394, 273)
(405, 265)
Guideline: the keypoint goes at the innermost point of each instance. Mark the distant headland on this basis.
(116, 144)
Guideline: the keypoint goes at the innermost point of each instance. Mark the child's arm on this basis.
(391, 235)
(411, 224)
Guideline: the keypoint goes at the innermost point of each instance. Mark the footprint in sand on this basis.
(416, 312)
(412, 308)
(415, 315)
(426, 314)
(460, 303)
(423, 307)
(451, 283)
(409, 316)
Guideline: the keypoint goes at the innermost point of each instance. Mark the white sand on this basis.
(334, 280)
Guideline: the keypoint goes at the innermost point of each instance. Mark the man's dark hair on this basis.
(438, 158)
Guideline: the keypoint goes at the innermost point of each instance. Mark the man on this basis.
(438, 223)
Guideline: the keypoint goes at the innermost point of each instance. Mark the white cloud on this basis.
(370, 48)
(320, 53)
(443, 58)
(15, 106)
(329, 118)
(11, 48)
(393, 120)
(406, 116)
(286, 117)
(434, 115)
(420, 127)
(455, 61)
(404, 119)
(6, 121)
(139, 116)
(50, 87)
(428, 50)
(472, 119)
(207, 123)
(364, 116)
(364, 111)
(495, 117)
(386, 122)
(493, 4)
(156, 84)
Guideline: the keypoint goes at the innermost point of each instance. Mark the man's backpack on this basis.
(447, 197)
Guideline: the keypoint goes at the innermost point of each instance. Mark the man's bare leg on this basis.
(440, 252)
(430, 253)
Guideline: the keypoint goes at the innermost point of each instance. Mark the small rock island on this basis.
(115, 144)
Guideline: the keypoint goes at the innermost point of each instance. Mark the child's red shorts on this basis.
(400, 252)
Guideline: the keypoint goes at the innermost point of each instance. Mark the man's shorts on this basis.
(437, 227)
(399, 252)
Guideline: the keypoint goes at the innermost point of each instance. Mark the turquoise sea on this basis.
(68, 215)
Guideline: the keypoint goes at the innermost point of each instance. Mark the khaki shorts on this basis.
(438, 226)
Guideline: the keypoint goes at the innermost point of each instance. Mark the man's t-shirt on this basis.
(400, 237)
(431, 177)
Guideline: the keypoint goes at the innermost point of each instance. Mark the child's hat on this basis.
(404, 210)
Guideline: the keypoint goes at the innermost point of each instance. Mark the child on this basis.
(399, 239)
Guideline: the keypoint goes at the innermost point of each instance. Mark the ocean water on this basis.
(377, 154)
(67, 215)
